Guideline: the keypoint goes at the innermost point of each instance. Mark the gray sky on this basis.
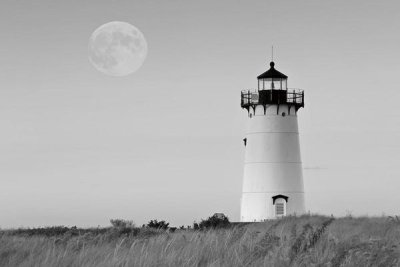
(78, 147)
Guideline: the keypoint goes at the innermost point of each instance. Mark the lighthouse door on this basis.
(280, 208)
(279, 202)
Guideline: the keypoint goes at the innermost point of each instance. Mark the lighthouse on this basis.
(273, 180)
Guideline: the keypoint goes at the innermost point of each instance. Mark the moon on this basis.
(117, 48)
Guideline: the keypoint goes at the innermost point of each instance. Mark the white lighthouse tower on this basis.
(273, 179)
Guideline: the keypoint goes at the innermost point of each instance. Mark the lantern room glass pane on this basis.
(274, 84)
(284, 84)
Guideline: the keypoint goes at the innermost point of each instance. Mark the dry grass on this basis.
(291, 241)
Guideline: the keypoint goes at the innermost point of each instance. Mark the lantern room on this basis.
(272, 90)
(272, 79)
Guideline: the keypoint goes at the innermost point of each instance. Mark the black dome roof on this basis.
(272, 73)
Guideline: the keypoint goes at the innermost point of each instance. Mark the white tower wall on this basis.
(272, 163)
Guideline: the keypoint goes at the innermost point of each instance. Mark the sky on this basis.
(78, 147)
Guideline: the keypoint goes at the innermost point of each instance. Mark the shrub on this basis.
(44, 231)
(215, 221)
(158, 224)
(119, 223)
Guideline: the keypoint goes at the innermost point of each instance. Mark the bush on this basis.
(119, 223)
(158, 224)
(215, 221)
(56, 231)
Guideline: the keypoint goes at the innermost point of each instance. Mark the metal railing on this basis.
(289, 96)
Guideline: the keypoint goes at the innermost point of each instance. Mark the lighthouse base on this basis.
(260, 206)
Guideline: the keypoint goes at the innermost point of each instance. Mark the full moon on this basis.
(117, 48)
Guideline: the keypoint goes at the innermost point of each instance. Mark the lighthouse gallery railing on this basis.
(264, 97)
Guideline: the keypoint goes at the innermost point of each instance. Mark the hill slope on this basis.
(291, 241)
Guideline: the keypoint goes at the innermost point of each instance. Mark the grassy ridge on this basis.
(291, 241)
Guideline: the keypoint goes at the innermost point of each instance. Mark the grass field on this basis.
(291, 241)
